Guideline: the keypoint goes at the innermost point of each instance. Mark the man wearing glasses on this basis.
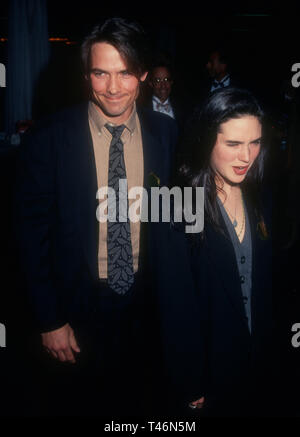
(161, 83)
(164, 98)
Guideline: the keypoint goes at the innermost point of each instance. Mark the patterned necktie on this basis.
(119, 249)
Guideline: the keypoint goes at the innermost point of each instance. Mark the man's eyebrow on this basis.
(99, 70)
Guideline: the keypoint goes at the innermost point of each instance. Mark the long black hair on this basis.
(200, 138)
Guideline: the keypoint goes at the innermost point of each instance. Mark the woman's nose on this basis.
(244, 154)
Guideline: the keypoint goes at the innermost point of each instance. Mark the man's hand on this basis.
(61, 343)
(197, 404)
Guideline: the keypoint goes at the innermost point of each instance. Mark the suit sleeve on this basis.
(35, 206)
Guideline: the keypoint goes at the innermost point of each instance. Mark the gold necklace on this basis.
(234, 222)
(243, 224)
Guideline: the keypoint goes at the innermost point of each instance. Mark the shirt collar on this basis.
(100, 121)
(157, 100)
(225, 79)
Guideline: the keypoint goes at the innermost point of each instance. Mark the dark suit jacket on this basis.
(56, 210)
(182, 109)
(207, 348)
(205, 89)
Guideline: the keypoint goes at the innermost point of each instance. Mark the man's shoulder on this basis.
(51, 130)
(67, 116)
(154, 118)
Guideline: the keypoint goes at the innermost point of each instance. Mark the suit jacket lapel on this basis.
(152, 159)
(223, 257)
(82, 152)
(151, 149)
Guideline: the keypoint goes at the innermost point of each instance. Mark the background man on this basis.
(161, 83)
(89, 283)
(163, 96)
(217, 68)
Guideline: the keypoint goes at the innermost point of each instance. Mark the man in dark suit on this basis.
(89, 281)
(218, 67)
(162, 97)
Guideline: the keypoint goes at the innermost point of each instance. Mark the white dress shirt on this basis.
(164, 107)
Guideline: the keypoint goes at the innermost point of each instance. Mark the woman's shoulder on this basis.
(260, 206)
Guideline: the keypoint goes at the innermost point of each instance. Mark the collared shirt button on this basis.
(242, 279)
(243, 259)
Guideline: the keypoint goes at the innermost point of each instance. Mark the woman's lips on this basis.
(240, 170)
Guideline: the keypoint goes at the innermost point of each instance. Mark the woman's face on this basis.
(237, 147)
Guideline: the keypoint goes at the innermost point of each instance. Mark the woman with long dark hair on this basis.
(222, 317)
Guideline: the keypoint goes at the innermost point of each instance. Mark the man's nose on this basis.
(113, 85)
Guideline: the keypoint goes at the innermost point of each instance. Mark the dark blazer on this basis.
(205, 88)
(56, 210)
(207, 348)
(181, 108)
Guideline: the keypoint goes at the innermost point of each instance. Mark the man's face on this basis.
(161, 83)
(114, 88)
(214, 67)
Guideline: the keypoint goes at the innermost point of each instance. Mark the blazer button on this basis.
(242, 279)
(243, 259)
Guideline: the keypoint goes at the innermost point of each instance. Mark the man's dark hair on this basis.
(162, 59)
(224, 54)
(128, 37)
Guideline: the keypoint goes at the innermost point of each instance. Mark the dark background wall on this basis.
(262, 40)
